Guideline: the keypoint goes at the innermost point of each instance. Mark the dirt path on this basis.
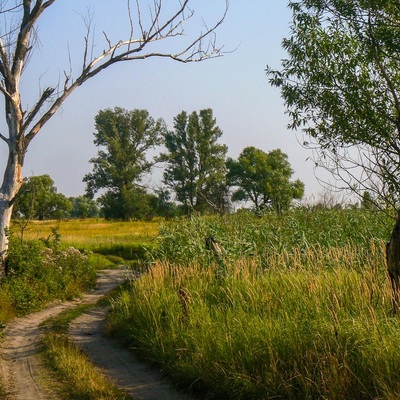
(24, 377)
(139, 380)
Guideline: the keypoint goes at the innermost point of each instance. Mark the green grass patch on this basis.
(82, 380)
(299, 307)
(78, 376)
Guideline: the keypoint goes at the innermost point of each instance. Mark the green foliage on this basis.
(83, 207)
(164, 205)
(301, 311)
(39, 200)
(195, 168)
(246, 235)
(340, 82)
(264, 179)
(128, 204)
(38, 274)
(124, 138)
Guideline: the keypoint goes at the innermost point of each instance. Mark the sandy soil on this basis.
(26, 379)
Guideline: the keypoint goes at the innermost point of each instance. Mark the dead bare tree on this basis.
(18, 36)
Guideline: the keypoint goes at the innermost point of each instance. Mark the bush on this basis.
(38, 274)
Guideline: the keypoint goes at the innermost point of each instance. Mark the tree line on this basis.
(198, 175)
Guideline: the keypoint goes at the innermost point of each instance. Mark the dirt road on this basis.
(26, 379)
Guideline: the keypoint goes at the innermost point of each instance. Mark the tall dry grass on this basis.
(294, 318)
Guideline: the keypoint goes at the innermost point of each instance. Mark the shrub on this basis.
(39, 274)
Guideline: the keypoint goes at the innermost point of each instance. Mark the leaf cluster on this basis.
(340, 83)
(39, 199)
(264, 179)
(195, 167)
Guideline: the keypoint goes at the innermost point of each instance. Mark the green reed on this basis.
(295, 310)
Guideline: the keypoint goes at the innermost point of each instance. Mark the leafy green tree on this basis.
(83, 207)
(195, 161)
(39, 200)
(124, 139)
(264, 179)
(341, 85)
(132, 204)
(164, 205)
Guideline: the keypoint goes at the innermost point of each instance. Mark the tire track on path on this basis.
(25, 378)
(21, 369)
(136, 378)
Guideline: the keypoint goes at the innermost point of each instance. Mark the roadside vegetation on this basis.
(58, 260)
(298, 306)
(295, 306)
(42, 271)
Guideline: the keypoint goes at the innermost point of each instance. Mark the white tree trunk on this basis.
(11, 185)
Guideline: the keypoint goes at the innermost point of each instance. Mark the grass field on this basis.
(299, 307)
(93, 233)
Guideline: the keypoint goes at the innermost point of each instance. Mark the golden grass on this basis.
(302, 323)
(90, 232)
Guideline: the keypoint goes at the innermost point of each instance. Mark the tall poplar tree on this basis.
(195, 161)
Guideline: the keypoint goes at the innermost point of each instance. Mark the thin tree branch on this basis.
(45, 96)
(4, 138)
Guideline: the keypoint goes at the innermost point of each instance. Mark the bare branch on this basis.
(4, 65)
(4, 138)
(132, 31)
(45, 96)
(126, 50)
(28, 21)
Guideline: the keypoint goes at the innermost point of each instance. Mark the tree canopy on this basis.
(123, 138)
(264, 179)
(340, 83)
(39, 200)
(195, 161)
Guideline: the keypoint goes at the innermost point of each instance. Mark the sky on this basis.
(247, 109)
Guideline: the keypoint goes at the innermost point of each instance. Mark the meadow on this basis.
(298, 307)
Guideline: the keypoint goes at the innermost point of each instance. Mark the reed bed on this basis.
(295, 318)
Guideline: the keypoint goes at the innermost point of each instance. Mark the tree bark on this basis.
(12, 183)
(393, 263)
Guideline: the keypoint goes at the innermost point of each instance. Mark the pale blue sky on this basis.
(235, 86)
